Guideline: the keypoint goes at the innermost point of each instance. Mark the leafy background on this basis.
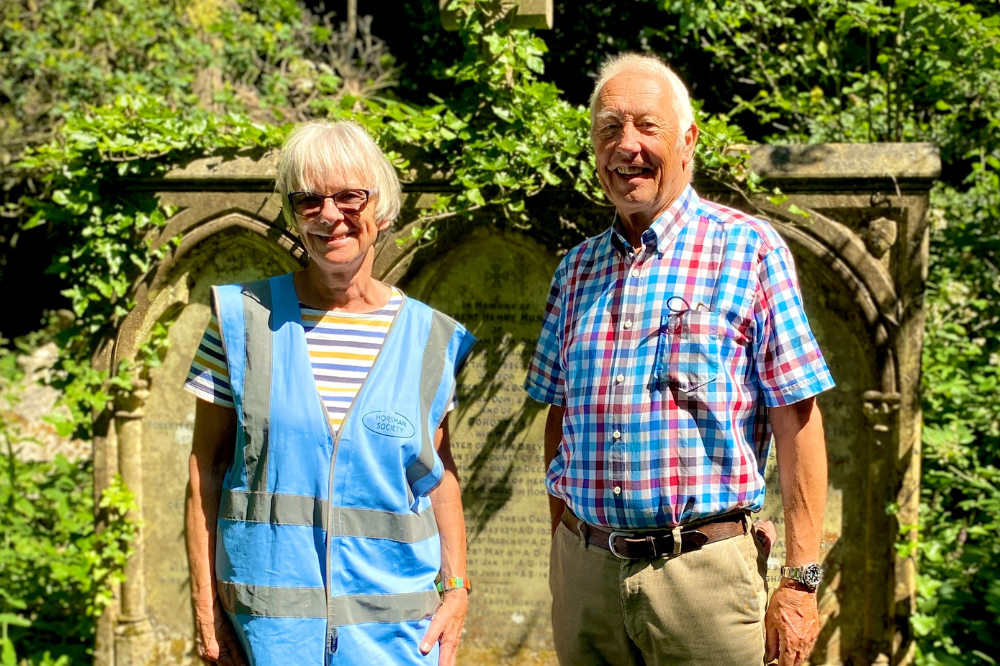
(94, 90)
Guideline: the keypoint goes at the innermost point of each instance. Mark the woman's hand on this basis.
(217, 643)
(446, 627)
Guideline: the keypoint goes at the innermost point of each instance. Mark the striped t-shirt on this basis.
(342, 348)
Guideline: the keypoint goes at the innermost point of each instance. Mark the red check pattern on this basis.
(666, 360)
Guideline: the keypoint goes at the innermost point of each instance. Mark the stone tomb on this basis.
(860, 258)
(497, 286)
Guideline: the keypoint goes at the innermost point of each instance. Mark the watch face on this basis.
(812, 575)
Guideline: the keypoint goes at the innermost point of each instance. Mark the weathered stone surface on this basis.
(537, 14)
(861, 257)
(834, 161)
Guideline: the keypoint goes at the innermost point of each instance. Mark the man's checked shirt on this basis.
(666, 361)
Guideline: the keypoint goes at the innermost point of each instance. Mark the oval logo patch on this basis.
(390, 424)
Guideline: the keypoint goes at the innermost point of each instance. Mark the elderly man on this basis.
(674, 344)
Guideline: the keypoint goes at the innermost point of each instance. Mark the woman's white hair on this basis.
(317, 152)
(650, 65)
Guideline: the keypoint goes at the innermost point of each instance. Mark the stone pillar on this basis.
(105, 468)
(133, 631)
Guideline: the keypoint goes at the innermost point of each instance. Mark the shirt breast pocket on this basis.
(688, 350)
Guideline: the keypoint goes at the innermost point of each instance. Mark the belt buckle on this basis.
(611, 545)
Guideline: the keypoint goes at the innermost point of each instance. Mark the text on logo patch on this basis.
(390, 424)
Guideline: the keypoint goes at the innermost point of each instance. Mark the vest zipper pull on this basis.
(331, 641)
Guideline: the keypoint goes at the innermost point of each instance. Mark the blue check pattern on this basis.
(666, 360)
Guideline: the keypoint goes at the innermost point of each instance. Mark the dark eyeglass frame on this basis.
(295, 205)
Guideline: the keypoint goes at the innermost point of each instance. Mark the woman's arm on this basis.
(446, 499)
(211, 454)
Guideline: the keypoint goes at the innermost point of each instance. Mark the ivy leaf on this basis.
(475, 196)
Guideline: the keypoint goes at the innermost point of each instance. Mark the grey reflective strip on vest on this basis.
(405, 527)
(361, 608)
(260, 600)
(257, 381)
(435, 354)
(279, 509)
(272, 508)
(272, 601)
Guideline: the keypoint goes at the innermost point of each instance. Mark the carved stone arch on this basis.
(862, 275)
(195, 233)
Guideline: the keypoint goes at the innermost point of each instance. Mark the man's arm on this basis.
(446, 500)
(792, 619)
(211, 454)
(553, 435)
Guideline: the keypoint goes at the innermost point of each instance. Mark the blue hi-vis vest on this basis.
(327, 548)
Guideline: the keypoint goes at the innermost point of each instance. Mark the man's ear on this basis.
(690, 142)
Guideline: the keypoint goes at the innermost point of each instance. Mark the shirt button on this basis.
(635, 272)
(616, 434)
(617, 490)
(628, 323)
(620, 378)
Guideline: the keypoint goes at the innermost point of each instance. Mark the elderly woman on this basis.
(324, 519)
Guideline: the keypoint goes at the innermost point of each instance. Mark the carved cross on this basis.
(537, 14)
(497, 277)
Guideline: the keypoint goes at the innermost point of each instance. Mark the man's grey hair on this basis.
(317, 152)
(636, 62)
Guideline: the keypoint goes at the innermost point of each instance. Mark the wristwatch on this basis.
(809, 575)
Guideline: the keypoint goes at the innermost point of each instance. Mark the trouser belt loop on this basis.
(583, 528)
(677, 539)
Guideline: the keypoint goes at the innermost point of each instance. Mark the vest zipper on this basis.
(331, 631)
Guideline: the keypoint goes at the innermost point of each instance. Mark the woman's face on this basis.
(335, 240)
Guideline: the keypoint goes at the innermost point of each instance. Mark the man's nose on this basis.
(629, 140)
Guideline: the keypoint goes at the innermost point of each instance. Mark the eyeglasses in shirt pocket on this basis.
(688, 349)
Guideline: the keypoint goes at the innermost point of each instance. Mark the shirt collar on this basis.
(664, 229)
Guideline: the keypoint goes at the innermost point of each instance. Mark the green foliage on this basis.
(263, 57)
(848, 70)
(56, 572)
(958, 620)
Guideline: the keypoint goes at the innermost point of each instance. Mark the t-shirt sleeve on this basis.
(208, 377)
(789, 364)
(545, 381)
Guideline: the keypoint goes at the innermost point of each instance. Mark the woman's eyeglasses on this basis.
(310, 204)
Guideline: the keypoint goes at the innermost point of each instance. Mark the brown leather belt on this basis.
(631, 545)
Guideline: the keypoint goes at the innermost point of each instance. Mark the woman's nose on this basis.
(330, 212)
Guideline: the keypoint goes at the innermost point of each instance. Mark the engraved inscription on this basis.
(496, 439)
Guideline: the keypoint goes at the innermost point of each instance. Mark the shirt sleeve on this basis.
(208, 377)
(789, 364)
(545, 381)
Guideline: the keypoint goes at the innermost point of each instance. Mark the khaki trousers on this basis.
(705, 607)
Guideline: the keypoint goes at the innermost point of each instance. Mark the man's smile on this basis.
(631, 170)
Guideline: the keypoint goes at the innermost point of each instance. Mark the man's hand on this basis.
(217, 642)
(446, 627)
(792, 625)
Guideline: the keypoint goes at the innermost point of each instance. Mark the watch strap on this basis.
(454, 583)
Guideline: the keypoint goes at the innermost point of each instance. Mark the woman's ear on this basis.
(383, 225)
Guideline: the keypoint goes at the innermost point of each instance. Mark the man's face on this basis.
(635, 133)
